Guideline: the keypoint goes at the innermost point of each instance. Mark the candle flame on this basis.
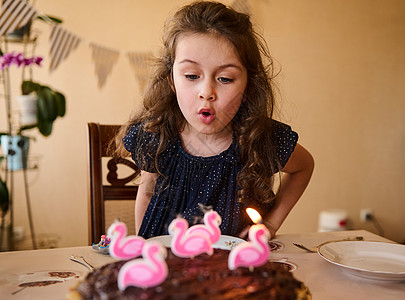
(254, 215)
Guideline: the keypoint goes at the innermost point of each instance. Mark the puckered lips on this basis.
(206, 115)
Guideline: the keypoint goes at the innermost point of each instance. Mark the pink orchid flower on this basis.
(18, 59)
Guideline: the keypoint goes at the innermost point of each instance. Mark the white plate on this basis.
(369, 260)
(225, 242)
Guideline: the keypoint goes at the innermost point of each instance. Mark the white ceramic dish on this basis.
(369, 260)
(225, 242)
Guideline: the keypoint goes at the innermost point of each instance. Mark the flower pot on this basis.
(15, 148)
(28, 109)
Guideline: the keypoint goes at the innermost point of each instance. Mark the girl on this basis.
(205, 136)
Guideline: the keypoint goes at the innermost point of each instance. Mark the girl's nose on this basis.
(207, 92)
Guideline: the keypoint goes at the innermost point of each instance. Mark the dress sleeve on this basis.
(285, 139)
(142, 145)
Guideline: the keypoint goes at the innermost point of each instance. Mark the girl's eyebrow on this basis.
(219, 67)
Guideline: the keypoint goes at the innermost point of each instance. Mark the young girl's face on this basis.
(209, 81)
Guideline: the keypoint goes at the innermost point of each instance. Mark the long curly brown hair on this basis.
(252, 124)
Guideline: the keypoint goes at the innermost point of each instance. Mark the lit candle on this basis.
(254, 215)
(253, 253)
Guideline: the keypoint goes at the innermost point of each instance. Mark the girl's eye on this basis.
(225, 80)
(192, 77)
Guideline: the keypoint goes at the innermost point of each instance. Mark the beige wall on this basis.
(341, 87)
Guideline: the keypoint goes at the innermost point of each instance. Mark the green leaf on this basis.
(28, 87)
(47, 109)
(51, 102)
(60, 104)
(52, 18)
(42, 108)
(45, 127)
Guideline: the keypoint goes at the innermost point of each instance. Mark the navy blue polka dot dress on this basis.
(190, 181)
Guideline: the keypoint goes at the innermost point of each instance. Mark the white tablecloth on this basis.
(325, 280)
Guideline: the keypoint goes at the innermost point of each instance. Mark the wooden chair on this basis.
(103, 185)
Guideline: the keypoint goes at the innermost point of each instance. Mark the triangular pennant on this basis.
(140, 63)
(15, 14)
(62, 43)
(104, 60)
(241, 6)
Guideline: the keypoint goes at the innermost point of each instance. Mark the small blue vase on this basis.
(15, 148)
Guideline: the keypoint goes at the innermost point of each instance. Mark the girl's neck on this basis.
(205, 145)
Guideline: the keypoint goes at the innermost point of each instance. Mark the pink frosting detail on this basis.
(149, 271)
(124, 247)
(210, 229)
(254, 253)
(187, 245)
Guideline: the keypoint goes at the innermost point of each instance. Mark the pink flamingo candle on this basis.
(210, 229)
(254, 253)
(124, 247)
(148, 271)
(187, 245)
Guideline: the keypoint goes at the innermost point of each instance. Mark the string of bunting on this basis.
(15, 14)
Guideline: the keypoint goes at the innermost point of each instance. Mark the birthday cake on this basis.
(192, 268)
(203, 277)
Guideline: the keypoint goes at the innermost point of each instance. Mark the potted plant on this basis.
(46, 104)
(15, 147)
(50, 105)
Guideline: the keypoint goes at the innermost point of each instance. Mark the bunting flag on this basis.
(140, 63)
(104, 60)
(241, 6)
(62, 43)
(14, 15)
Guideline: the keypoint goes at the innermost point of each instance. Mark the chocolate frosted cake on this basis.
(203, 277)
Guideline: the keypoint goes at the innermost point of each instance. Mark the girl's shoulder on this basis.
(282, 132)
(136, 137)
(284, 139)
(142, 145)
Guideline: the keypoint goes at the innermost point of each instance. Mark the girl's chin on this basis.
(214, 130)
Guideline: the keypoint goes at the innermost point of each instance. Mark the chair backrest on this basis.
(103, 187)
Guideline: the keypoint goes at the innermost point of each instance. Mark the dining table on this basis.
(51, 273)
